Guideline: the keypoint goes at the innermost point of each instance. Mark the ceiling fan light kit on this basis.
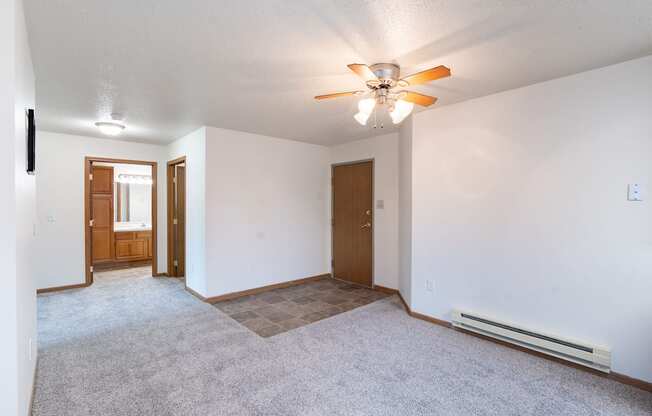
(381, 79)
(402, 109)
(365, 108)
(361, 118)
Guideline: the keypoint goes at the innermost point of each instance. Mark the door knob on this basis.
(367, 225)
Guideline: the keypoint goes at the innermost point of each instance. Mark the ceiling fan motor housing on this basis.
(388, 75)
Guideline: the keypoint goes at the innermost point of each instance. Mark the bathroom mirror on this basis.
(133, 199)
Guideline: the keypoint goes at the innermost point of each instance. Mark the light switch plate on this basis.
(634, 192)
(380, 204)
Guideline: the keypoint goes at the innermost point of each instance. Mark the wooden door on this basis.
(102, 182)
(181, 220)
(101, 200)
(352, 223)
(177, 217)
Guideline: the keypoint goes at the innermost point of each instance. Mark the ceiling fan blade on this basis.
(428, 75)
(338, 94)
(416, 98)
(363, 71)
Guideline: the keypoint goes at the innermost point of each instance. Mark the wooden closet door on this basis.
(102, 182)
(102, 247)
(352, 223)
(102, 229)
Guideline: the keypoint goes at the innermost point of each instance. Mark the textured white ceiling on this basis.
(170, 66)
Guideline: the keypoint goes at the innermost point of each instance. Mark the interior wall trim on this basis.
(409, 311)
(33, 392)
(618, 377)
(196, 294)
(60, 288)
(391, 291)
(387, 290)
(255, 291)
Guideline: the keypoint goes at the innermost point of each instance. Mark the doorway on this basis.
(352, 222)
(176, 181)
(120, 214)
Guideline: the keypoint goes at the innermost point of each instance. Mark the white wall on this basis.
(384, 151)
(265, 210)
(60, 201)
(8, 298)
(405, 210)
(520, 209)
(17, 289)
(256, 207)
(25, 220)
(193, 147)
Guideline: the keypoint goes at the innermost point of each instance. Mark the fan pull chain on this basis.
(382, 126)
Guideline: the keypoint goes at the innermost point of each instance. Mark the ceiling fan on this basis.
(382, 79)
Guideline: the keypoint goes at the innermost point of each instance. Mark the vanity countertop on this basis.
(131, 226)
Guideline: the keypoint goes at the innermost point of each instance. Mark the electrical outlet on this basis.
(430, 286)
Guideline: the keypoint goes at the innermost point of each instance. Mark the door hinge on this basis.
(91, 269)
(90, 176)
(332, 263)
(91, 223)
(174, 221)
(333, 222)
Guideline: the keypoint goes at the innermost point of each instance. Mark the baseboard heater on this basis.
(580, 353)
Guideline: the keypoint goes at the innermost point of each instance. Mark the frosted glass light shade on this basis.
(402, 109)
(366, 106)
(361, 118)
(110, 128)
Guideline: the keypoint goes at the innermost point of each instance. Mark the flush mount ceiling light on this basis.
(381, 79)
(113, 127)
(110, 128)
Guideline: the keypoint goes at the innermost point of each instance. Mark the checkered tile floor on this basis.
(281, 310)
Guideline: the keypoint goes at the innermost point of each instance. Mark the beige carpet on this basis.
(143, 346)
